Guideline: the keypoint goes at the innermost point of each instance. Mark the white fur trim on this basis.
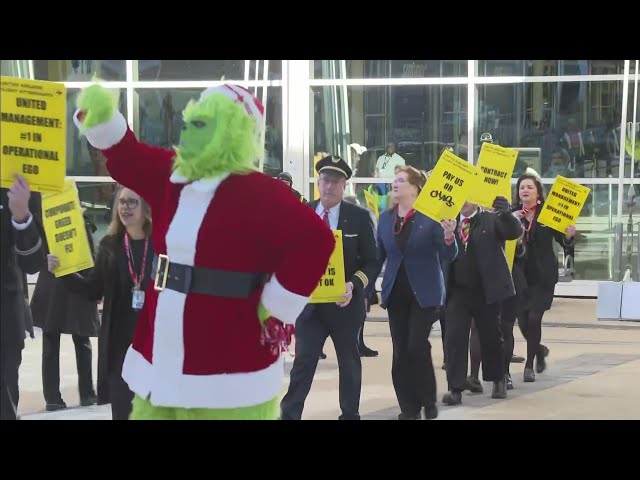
(105, 135)
(281, 303)
(205, 185)
(231, 390)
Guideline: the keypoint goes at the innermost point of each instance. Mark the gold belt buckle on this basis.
(156, 284)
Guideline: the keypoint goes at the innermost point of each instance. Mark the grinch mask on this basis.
(218, 137)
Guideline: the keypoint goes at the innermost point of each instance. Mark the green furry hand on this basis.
(263, 314)
(97, 105)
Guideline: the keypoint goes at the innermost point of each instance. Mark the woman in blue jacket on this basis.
(412, 289)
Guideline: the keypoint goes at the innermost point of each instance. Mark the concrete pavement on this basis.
(593, 373)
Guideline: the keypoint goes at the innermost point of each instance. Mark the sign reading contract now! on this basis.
(65, 230)
(447, 189)
(331, 287)
(495, 167)
(33, 133)
(563, 204)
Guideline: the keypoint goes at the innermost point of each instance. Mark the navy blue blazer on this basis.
(422, 256)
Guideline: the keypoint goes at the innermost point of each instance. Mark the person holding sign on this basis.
(413, 245)
(540, 266)
(57, 310)
(343, 320)
(122, 270)
(479, 281)
(22, 251)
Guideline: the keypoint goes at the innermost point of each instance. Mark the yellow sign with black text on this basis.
(65, 230)
(33, 133)
(331, 287)
(371, 203)
(495, 167)
(563, 204)
(447, 189)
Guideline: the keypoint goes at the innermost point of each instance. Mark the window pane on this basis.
(160, 120)
(79, 70)
(419, 120)
(97, 199)
(594, 249)
(336, 69)
(82, 158)
(205, 69)
(549, 67)
(564, 128)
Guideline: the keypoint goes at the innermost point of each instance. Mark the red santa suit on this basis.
(196, 350)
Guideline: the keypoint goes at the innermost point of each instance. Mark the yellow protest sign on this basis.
(65, 230)
(495, 167)
(371, 203)
(563, 204)
(331, 287)
(447, 189)
(33, 133)
(510, 252)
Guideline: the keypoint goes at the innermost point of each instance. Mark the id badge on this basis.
(137, 300)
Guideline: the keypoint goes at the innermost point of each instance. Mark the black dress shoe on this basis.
(529, 375)
(473, 385)
(431, 412)
(323, 356)
(452, 398)
(517, 359)
(54, 407)
(541, 363)
(89, 400)
(499, 389)
(404, 416)
(367, 352)
(508, 381)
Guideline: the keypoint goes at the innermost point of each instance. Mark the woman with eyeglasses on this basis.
(122, 272)
(413, 246)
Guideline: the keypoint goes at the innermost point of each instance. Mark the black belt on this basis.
(206, 281)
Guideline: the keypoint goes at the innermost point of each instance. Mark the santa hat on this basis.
(240, 95)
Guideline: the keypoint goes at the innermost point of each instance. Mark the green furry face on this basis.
(218, 137)
(195, 136)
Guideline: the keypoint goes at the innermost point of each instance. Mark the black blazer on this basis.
(538, 259)
(21, 251)
(359, 243)
(488, 233)
(103, 282)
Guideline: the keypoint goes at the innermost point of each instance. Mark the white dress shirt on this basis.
(334, 214)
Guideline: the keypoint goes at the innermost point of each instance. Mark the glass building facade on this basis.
(564, 116)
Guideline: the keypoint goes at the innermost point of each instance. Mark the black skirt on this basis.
(538, 298)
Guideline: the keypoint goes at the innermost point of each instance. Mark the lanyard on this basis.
(527, 230)
(137, 280)
(397, 230)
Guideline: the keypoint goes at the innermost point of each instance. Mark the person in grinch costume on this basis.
(237, 257)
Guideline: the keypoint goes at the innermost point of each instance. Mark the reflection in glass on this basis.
(420, 122)
(79, 70)
(97, 200)
(206, 69)
(160, 120)
(564, 126)
(338, 69)
(549, 67)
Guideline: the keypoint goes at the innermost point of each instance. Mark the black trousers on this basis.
(464, 305)
(10, 360)
(412, 369)
(120, 395)
(51, 366)
(315, 324)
